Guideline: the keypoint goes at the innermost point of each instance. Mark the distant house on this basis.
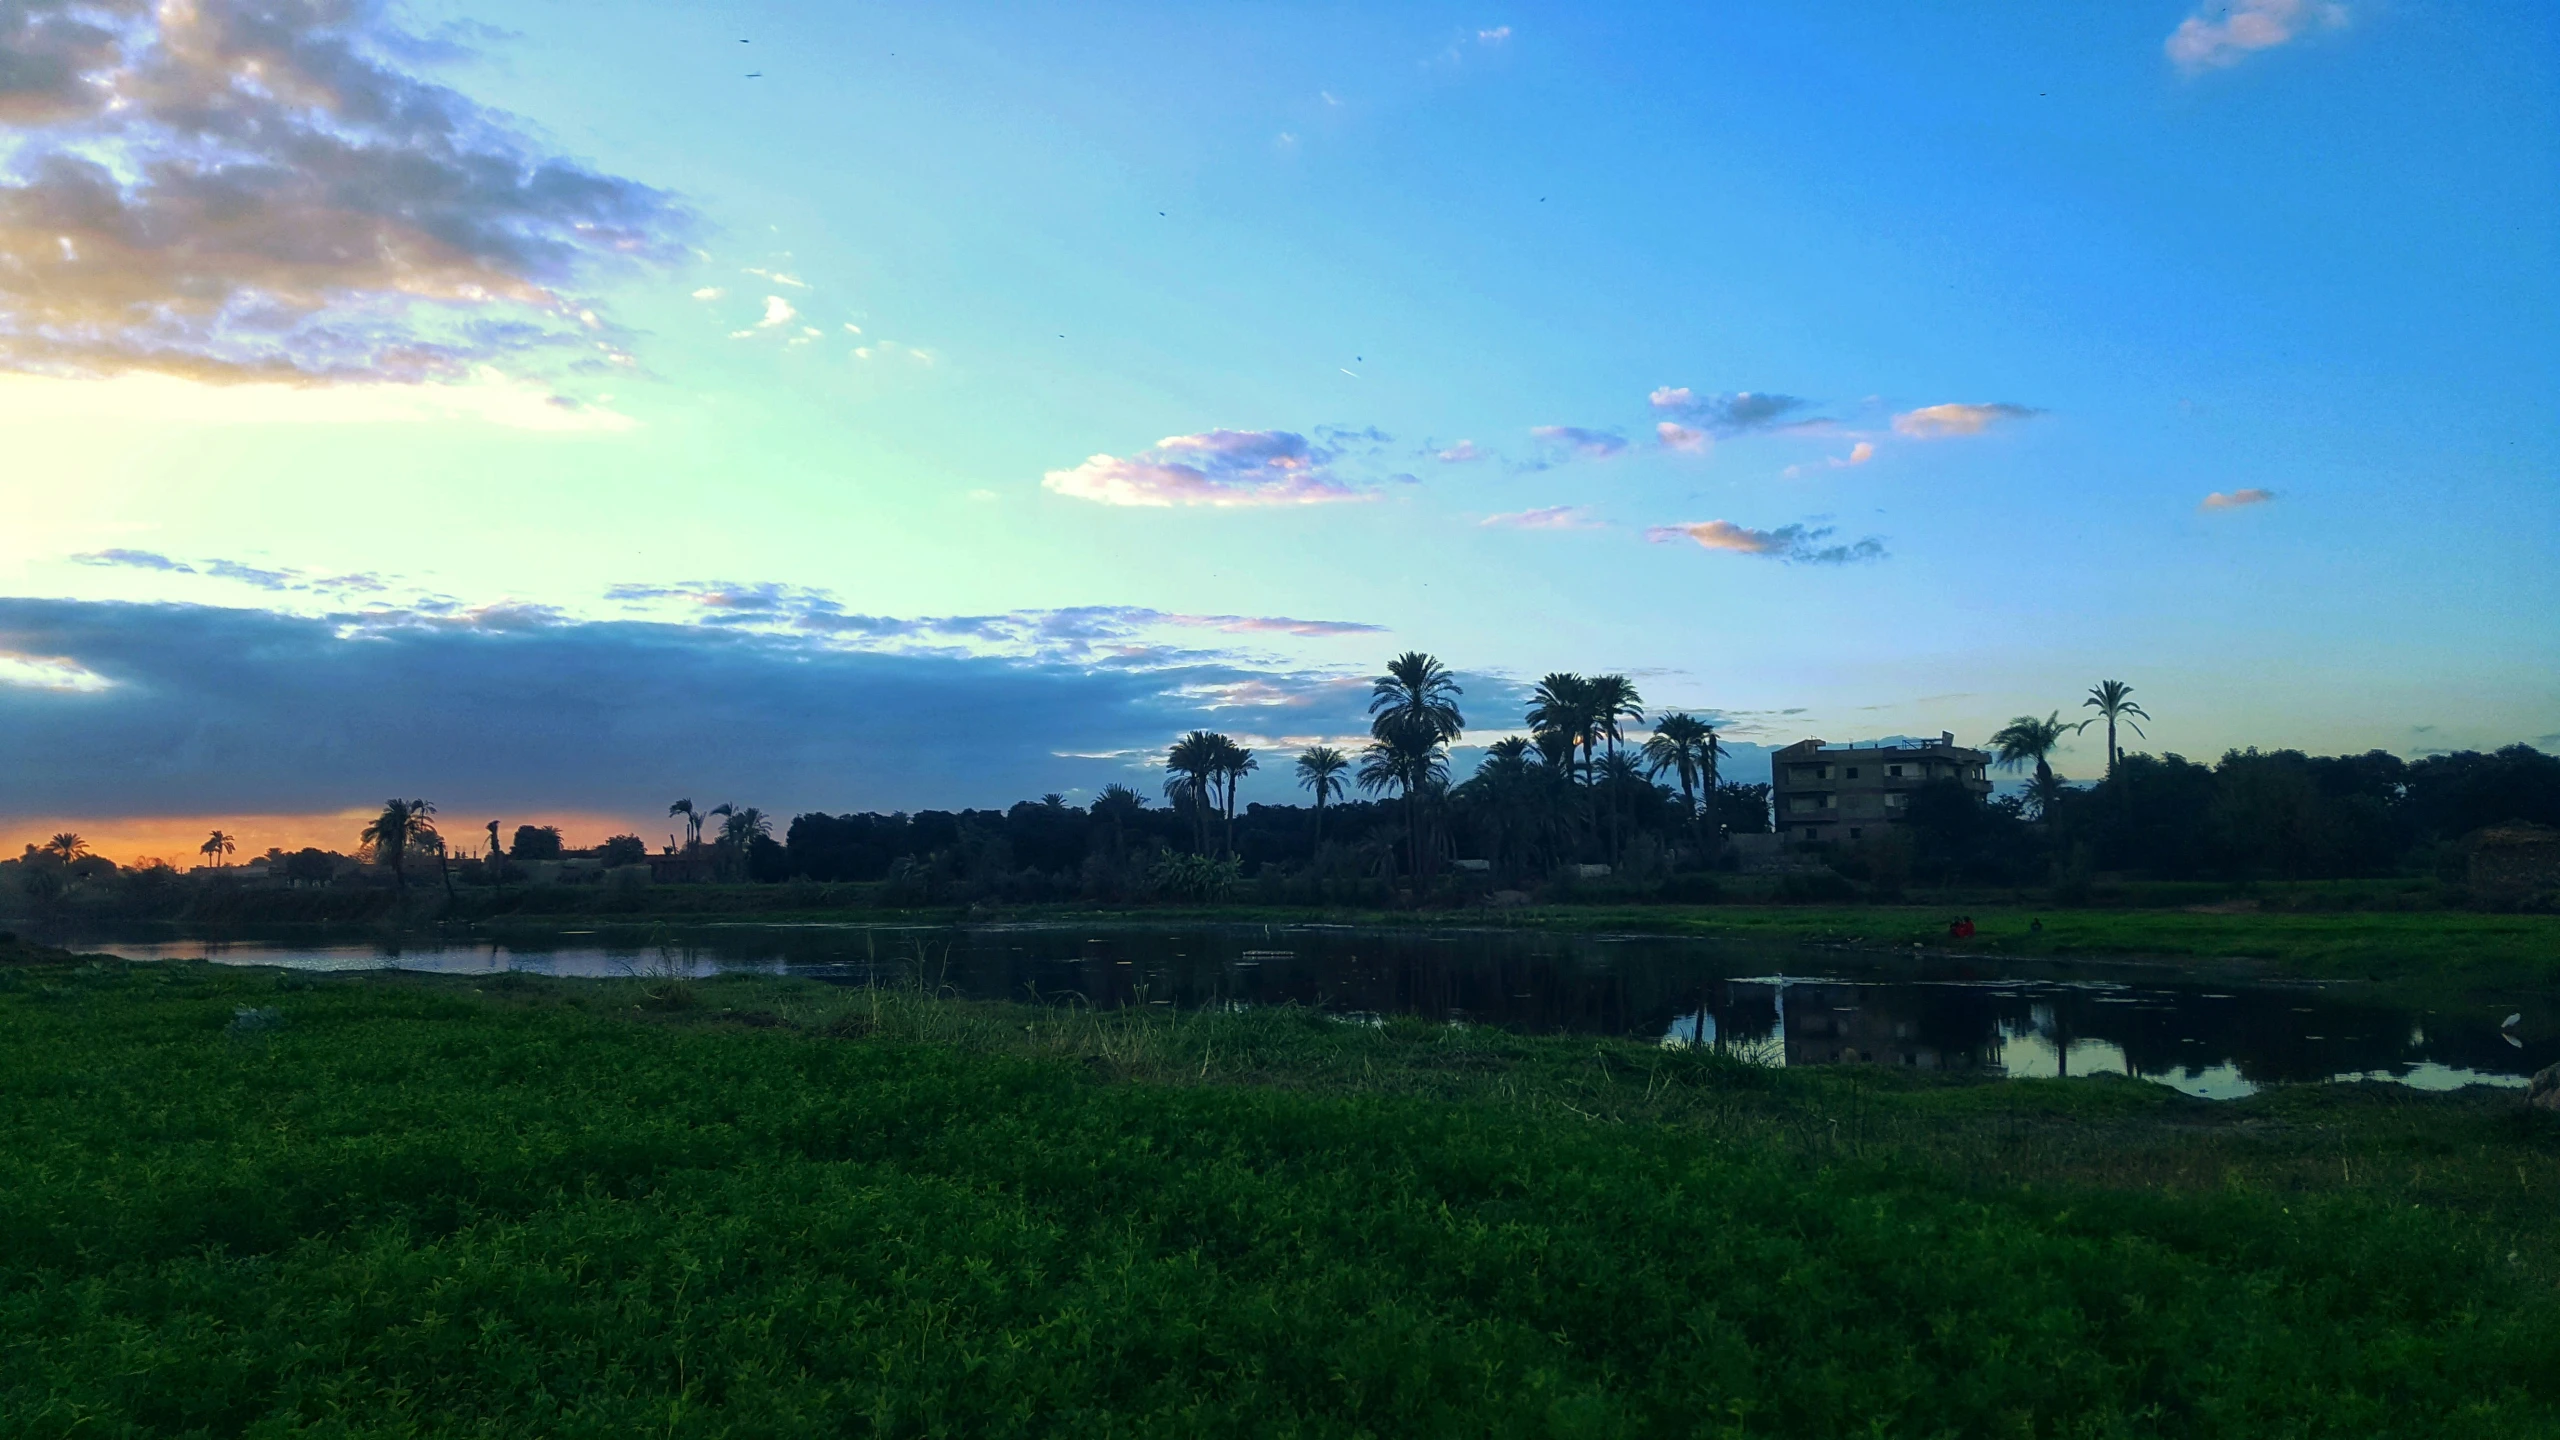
(1825, 792)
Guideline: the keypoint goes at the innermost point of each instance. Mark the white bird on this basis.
(2512, 1021)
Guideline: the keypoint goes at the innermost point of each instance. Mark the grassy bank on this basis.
(237, 1202)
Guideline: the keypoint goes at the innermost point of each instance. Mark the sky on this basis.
(556, 410)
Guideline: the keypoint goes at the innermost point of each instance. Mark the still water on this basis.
(1788, 1006)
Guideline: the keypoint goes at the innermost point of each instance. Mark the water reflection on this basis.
(1796, 1007)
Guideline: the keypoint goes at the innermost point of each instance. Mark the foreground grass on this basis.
(391, 1204)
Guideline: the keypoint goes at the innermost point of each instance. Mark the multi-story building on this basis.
(1847, 792)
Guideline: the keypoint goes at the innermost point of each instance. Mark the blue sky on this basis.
(1840, 370)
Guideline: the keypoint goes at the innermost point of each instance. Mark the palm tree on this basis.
(391, 832)
(1320, 769)
(2113, 699)
(692, 821)
(1233, 762)
(1191, 770)
(1613, 699)
(1410, 761)
(217, 845)
(1687, 745)
(66, 847)
(2027, 738)
(1560, 716)
(1117, 803)
(1413, 713)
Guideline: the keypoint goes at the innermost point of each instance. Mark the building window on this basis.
(1810, 832)
(1857, 834)
(1853, 772)
(1896, 800)
(1893, 772)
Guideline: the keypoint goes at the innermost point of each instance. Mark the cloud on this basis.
(709, 292)
(1552, 517)
(1495, 36)
(1215, 467)
(1460, 453)
(203, 710)
(2236, 499)
(1794, 544)
(48, 672)
(1932, 422)
(1727, 414)
(1676, 436)
(1589, 444)
(2246, 27)
(1859, 454)
(228, 190)
(778, 277)
(262, 577)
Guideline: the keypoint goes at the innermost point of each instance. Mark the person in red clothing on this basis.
(1964, 928)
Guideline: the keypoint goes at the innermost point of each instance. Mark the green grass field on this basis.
(399, 1205)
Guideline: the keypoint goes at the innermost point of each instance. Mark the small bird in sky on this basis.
(755, 74)
(2512, 1021)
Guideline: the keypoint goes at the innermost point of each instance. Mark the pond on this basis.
(1792, 1006)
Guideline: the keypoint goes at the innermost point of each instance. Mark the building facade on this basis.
(1822, 792)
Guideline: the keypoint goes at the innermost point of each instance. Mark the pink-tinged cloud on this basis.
(2236, 499)
(1859, 454)
(1551, 517)
(1733, 414)
(1675, 436)
(1589, 444)
(1461, 453)
(1794, 544)
(1937, 422)
(1216, 467)
(2244, 29)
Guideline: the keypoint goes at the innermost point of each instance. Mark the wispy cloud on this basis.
(2244, 28)
(1731, 414)
(777, 312)
(1589, 444)
(1676, 436)
(232, 190)
(274, 579)
(1215, 467)
(1499, 34)
(1859, 454)
(1551, 517)
(1460, 453)
(1794, 544)
(485, 395)
(2236, 499)
(1934, 422)
(49, 672)
(778, 277)
(710, 292)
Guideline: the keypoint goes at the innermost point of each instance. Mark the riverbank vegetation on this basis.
(237, 1201)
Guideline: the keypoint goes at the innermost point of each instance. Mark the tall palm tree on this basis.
(1413, 713)
(1191, 778)
(217, 845)
(66, 847)
(1614, 700)
(2113, 699)
(1560, 716)
(692, 821)
(390, 834)
(1233, 762)
(1320, 769)
(2026, 739)
(1687, 746)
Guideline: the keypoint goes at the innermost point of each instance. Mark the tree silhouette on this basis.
(2025, 739)
(1320, 769)
(390, 834)
(1191, 769)
(1232, 763)
(1413, 714)
(217, 846)
(2113, 700)
(1687, 746)
(66, 847)
(1613, 700)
